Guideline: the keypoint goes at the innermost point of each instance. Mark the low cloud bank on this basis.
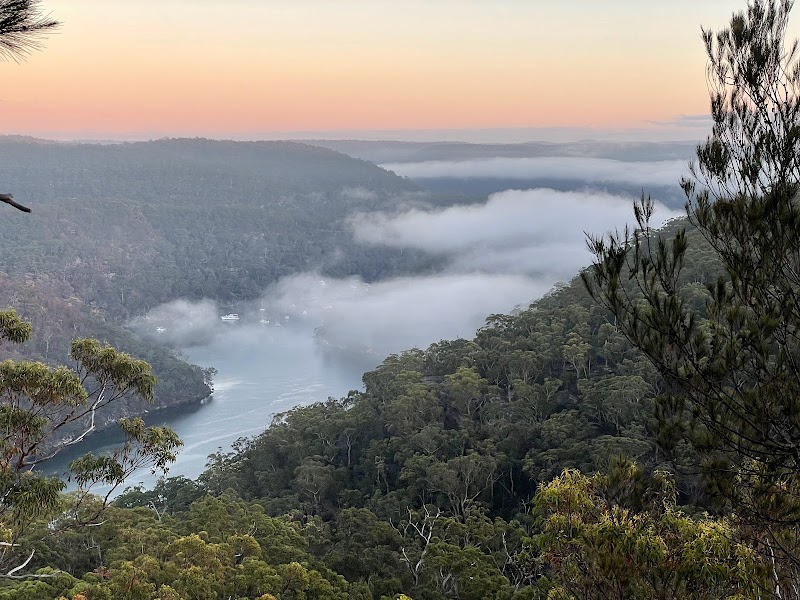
(348, 314)
(538, 232)
(503, 253)
(180, 323)
(397, 314)
(590, 170)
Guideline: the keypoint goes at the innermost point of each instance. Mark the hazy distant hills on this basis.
(130, 226)
(390, 151)
(184, 172)
(617, 168)
(119, 229)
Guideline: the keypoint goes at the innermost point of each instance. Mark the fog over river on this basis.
(499, 255)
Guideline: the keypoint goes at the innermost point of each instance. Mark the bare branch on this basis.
(7, 198)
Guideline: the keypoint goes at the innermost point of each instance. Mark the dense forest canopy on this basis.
(130, 226)
(442, 477)
(632, 434)
(118, 229)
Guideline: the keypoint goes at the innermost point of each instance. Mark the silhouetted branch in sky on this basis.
(22, 24)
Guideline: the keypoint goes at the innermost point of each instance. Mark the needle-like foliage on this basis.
(733, 369)
(22, 25)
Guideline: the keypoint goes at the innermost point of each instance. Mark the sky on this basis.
(395, 69)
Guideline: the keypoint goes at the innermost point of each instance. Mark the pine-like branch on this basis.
(22, 25)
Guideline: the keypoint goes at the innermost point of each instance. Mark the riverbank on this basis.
(258, 377)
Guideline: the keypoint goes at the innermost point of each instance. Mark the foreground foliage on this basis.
(621, 536)
(645, 447)
(45, 409)
(732, 377)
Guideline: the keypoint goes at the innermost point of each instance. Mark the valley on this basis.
(276, 232)
(358, 301)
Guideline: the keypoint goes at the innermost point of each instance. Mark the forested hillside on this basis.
(118, 229)
(632, 435)
(484, 420)
(125, 227)
(443, 479)
(537, 460)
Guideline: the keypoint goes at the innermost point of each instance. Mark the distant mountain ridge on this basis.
(133, 225)
(118, 229)
(442, 157)
(391, 151)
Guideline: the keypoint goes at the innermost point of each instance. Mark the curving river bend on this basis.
(260, 373)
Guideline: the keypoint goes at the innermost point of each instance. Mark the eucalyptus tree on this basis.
(620, 535)
(45, 409)
(732, 369)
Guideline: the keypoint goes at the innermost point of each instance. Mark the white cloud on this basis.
(703, 122)
(500, 254)
(538, 231)
(397, 314)
(180, 323)
(590, 170)
(385, 317)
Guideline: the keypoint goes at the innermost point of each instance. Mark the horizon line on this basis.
(664, 133)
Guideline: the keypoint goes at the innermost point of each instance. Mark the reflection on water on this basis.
(262, 371)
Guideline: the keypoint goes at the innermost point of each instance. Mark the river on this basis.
(261, 372)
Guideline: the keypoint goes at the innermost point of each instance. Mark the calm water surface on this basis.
(261, 372)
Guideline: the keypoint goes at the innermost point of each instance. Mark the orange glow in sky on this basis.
(243, 67)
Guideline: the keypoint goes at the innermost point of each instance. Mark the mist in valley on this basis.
(498, 255)
(306, 300)
(588, 170)
(309, 335)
